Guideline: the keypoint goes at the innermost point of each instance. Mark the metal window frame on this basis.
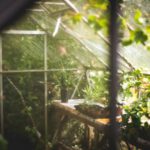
(45, 72)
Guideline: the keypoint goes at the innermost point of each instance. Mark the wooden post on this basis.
(113, 31)
(1, 92)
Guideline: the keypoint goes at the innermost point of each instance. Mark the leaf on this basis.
(77, 18)
(127, 42)
(140, 36)
(91, 18)
(148, 48)
(103, 22)
(123, 23)
(148, 29)
(137, 16)
(102, 4)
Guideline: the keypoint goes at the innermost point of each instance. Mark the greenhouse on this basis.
(55, 76)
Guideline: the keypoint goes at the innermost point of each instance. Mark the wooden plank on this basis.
(79, 116)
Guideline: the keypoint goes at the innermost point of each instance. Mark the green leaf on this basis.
(137, 16)
(91, 18)
(123, 23)
(103, 22)
(77, 18)
(102, 4)
(127, 42)
(148, 29)
(140, 36)
(148, 48)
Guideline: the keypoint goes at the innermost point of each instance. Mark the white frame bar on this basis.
(50, 3)
(37, 70)
(36, 10)
(24, 32)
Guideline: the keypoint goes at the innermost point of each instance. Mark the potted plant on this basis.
(96, 96)
(97, 89)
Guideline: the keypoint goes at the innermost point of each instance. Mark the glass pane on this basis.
(22, 52)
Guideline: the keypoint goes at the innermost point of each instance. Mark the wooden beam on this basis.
(79, 116)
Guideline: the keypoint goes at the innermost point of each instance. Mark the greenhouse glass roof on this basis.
(87, 47)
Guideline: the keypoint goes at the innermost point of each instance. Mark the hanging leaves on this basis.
(138, 36)
(148, 29)
(101, 4)
(77, 17)
(97, 22)
(127, 42)
(137, 16)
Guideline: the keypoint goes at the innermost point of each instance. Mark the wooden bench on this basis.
(93, 126)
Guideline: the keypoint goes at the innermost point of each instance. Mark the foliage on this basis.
(130, 82)
(136, 111)
(22, 106)
(98, 20)
(73, 134)
(138, 35)
(134, 24)
(135, 118)
(97, 89)
(138, 32)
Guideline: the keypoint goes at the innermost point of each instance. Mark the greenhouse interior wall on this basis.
(43, 54)
(36, 88)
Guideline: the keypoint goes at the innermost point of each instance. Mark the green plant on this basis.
(97, 89)
(136, 119)
(130, 84)
(137, 110)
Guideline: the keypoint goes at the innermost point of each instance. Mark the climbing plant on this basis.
(134, 26)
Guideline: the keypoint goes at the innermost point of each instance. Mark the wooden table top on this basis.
(69, 109)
